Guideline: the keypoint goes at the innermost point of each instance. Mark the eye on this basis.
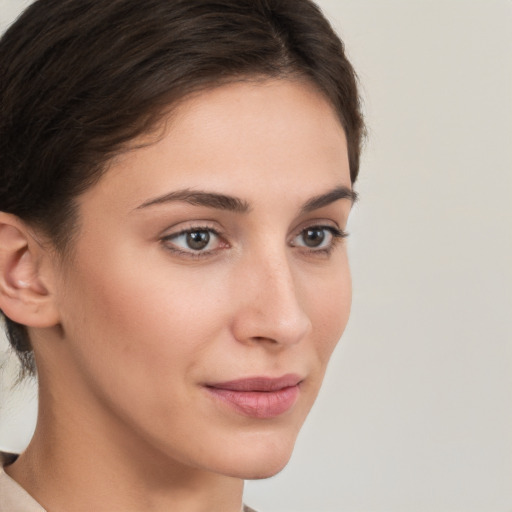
(318, 238)
(193, 241)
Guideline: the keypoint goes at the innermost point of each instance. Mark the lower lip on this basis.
(258, 404)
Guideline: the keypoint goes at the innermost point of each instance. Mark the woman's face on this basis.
(210, 283)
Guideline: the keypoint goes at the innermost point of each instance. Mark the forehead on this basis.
(241, 138)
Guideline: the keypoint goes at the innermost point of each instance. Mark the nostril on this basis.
(264, 338)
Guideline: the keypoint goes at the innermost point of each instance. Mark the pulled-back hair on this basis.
(80, 79)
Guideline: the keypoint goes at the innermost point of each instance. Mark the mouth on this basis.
(258, 397)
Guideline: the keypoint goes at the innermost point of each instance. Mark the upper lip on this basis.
(259, 383)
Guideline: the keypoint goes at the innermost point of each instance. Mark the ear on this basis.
(25, 275)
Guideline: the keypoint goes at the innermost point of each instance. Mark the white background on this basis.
(416, 411)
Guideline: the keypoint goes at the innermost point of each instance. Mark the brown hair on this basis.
(80, 79)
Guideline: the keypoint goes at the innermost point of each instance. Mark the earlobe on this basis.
(24, 295)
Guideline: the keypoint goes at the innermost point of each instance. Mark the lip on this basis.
(258, 397)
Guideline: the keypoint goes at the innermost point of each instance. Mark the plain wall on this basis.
(416, 410)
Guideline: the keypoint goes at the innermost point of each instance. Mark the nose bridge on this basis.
(271, 307)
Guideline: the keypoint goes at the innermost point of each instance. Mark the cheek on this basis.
(157, 324)
(149, 319)
(330, 310)
(141, 340)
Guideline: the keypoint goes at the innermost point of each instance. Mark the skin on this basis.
(137, 323)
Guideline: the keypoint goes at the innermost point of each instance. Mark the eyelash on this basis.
(337, 236)
(190, 253)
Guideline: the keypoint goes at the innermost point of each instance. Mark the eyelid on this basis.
(189, 226)
(335, 231)
(336, 234)
(321, 223)
(166, 241)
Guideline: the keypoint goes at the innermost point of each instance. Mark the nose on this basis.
(268, 304)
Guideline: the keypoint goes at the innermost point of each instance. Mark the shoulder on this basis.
(13, 498)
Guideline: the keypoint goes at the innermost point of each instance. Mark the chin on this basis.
(265, 472)
(258, 471)
(259, 459)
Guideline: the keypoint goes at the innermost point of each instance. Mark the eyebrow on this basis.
(317, 202)
(199, 198)
(235, 204)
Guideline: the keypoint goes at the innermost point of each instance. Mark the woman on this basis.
(176, 182)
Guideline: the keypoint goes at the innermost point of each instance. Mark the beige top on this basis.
(13, 498)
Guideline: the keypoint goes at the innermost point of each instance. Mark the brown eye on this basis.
(197, 240)
(318, 238)
(314, 237)
(194, 241)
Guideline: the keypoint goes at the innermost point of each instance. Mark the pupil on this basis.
(314, 237)
(198, 239)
